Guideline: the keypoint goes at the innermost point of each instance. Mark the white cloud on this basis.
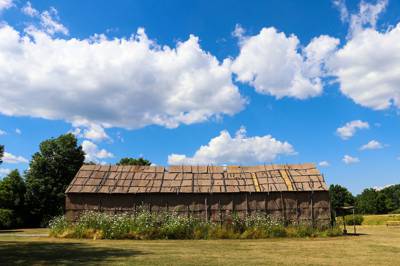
(5, 4)
(2, 132)
(372, 145)
(18, 131)
(274, 64)
(11, 158)
(129, 83)
(48, 19)
(324, 164)
(93, 153)
(28, 10)
(378, 188)
(367, 16)
(368, 65)
(341, 6)
(350, 128)
(4, 171)
(347, 159)
(88, 130)
(239, 149)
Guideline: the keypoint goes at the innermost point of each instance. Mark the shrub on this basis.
(358, 219)
(6, 218)
(58, 225)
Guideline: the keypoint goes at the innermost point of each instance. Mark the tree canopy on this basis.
(12, 197)
(133, 161)
(340, 197)
(1, 153)
(50, 171)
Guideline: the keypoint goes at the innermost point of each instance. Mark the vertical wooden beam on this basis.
(312, 208)
(206, 208)
(247, 205)
(265, 205)
(283, 209)
(297, 211)
(219, 211)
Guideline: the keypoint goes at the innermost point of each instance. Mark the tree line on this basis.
(36, 196)
(369, 201)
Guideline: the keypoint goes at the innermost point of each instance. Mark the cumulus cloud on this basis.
(2, 132)
(350, 128)
(324, 164)
(88, 130)
(14, 159)
(347, 159)
(129, 83)
(238, 149)
(274, 64)
(18, 131)
(5, 4)
(372, 145)
(93, 153)
(367, 67)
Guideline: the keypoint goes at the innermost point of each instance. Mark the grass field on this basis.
(380, 219)
(378, 245)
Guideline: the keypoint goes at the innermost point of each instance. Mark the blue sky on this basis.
(207, 82)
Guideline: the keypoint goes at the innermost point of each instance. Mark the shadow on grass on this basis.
(10, 231)
(44, 253)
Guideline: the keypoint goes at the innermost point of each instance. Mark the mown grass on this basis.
(378, 245)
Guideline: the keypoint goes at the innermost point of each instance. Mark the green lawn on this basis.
(379, 245)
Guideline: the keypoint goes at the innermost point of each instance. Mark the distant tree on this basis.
(50, 171)
(133, 161)
(1, 153)
(12, 196)
(367, 201)
(392, 197)
(340, 196)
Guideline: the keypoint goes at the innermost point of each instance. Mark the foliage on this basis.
(340, 197)
(1, 153)
(12, 196)
(50, 171)
(134, 161)
(147, 225)
(372, 201)
(357, 220)
(6, 218)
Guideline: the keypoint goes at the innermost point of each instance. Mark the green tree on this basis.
(1, 153)
(133, 161)
(367, 202)
(12, 196)
(50, 171)
(340, 196)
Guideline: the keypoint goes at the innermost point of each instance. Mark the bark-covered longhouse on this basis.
(295, 193)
